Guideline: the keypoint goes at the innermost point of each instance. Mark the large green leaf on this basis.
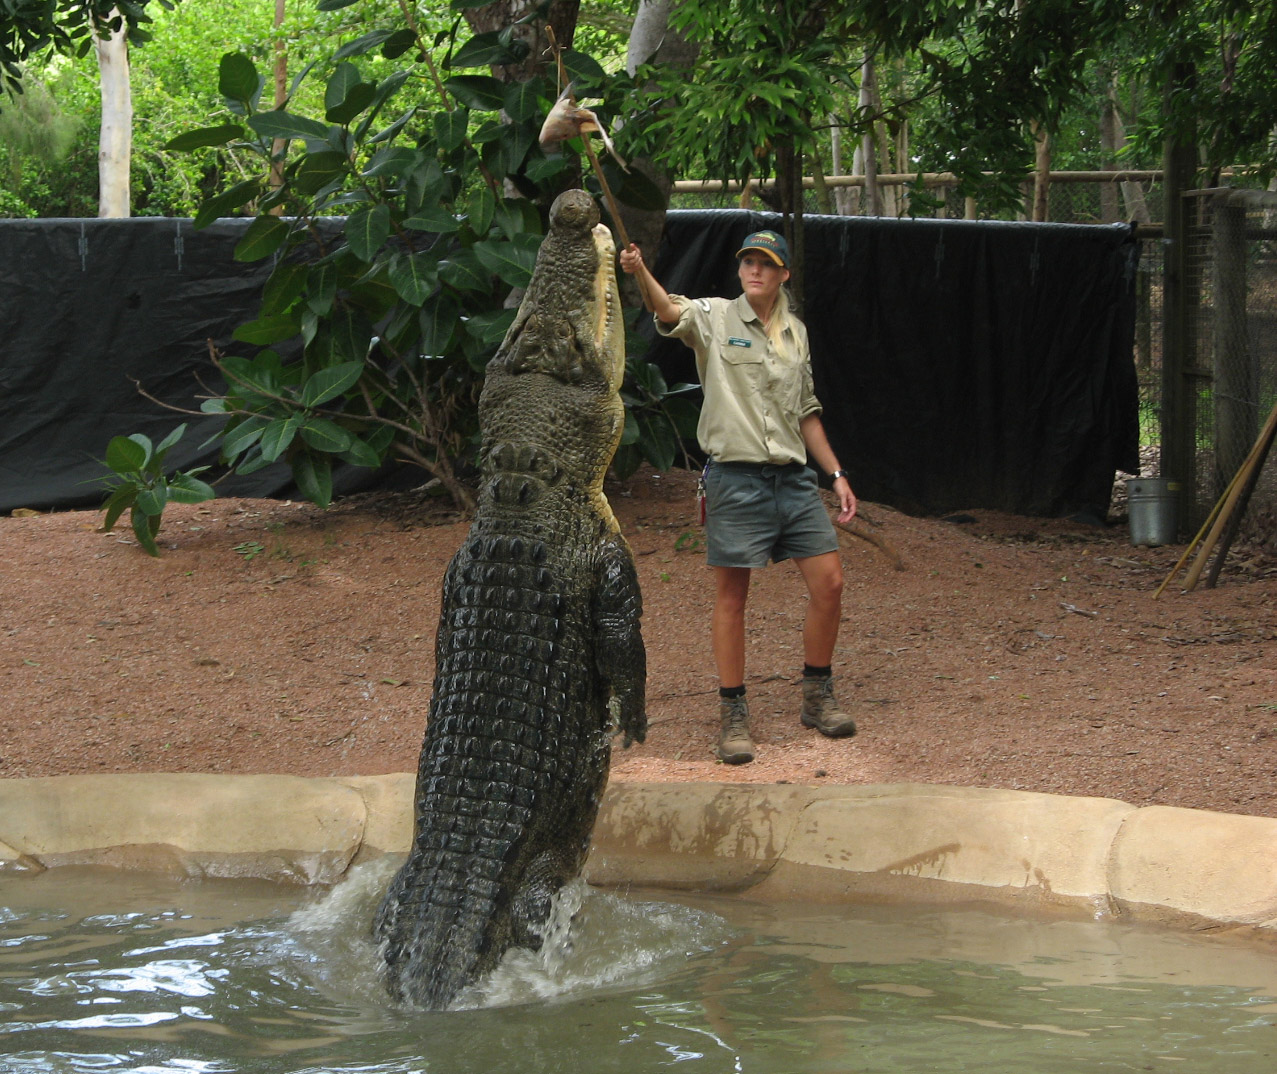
(281, 124)
(344, 78)
(386, 88)
(657, 442)
(264, 236)
(464, 271)
(360, 97)
(344, 336)
(237, 78)
(314, 476)
(277, 436)
(582, 68)
(505, 155)
(517, 216)
(221, 204)
(360, 453)
(325, 435)
(151, 501)
(243, 436)
(328, 383)
(125, 455)
(186, 488)
(426, 187)
(491, 327)
(483, 93)
(318, 169)
(398, 43)
(435, 220)
(260, 375)
(117, 503)
(205, 136)
(272, 329)
(387, 133)
(483, 207)
(284, 287)
(146, 522)
(486, 49)
(162, 448)
(414, 276)
(391, 161)
(512, 260)
(362, 45)
(322, 288)
(367, 230)
(525, 101)
(450, 128)
(440, 319)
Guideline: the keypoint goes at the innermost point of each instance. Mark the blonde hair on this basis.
(780, 319)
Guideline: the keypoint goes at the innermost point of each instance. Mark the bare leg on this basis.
(727, 627)
(823, 575)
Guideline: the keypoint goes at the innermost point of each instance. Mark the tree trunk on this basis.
(115, 141)
(652, 40)
(1041, 173)
(281, 93)
(560, 21)
(869, 142)
(845, 197)
(789, 189)
(1111, 137)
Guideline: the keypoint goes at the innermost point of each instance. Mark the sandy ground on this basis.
(1008, 652)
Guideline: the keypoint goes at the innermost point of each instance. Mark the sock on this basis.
(729, 693)
(810, 672)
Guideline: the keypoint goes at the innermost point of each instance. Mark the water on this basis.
(219, 976)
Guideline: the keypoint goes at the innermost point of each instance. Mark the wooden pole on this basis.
(1253, 462)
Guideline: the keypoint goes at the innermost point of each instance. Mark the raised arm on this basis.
(655, 297)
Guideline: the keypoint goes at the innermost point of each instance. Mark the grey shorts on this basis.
(755, 513)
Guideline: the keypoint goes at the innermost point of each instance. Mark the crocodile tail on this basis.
(434, 929)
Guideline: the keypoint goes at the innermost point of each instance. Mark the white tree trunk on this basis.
(115, 144)
(650, 22)
(867, 155)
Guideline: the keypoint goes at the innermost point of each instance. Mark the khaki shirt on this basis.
(754, 397)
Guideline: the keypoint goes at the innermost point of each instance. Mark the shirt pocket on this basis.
(735, 355)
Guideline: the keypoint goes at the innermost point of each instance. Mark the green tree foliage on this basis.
(37, 136)
(767, 67)
(973, 78)
(31, 29)
(375, 327)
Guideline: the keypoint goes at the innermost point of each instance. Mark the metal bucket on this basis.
(1151, 505)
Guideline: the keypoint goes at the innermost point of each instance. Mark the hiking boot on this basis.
(821, 711)
(734, 744)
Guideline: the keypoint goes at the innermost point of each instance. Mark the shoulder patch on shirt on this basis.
(703, 303)
(736, 341)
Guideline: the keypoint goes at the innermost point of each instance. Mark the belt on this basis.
(764, 468)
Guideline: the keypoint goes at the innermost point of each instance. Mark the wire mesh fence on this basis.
(1073, 197)
(1233, 351)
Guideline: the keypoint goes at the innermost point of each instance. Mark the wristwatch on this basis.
(839, 473)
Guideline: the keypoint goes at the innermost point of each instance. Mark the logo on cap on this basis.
(773, 245)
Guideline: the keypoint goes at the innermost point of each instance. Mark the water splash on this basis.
(593, 940)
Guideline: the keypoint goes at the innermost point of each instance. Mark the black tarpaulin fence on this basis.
(961, 364)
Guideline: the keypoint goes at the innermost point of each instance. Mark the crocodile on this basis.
(539, 657)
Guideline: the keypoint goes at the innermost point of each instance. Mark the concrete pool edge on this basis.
(1016, 848)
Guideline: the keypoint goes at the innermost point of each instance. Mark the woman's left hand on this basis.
(846, 500)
